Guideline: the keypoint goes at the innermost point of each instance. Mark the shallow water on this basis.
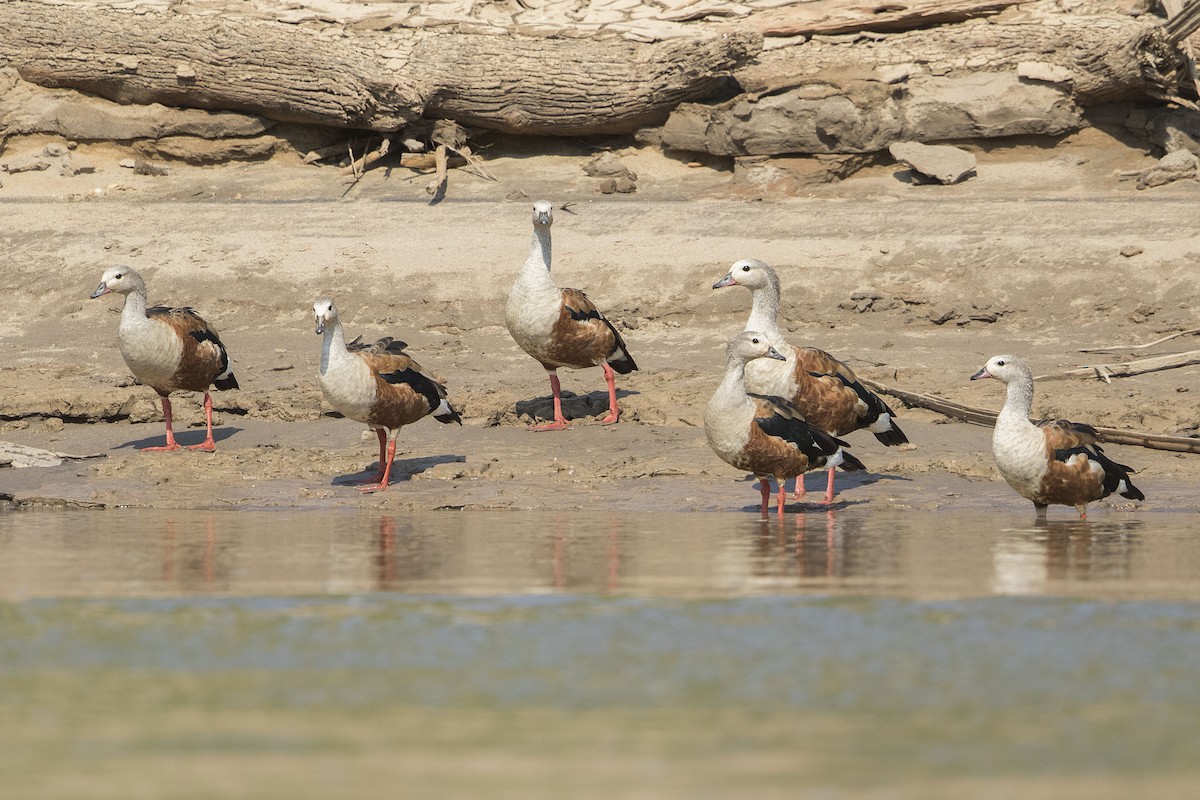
(836, 654)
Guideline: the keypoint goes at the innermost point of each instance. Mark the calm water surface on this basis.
(167, 654)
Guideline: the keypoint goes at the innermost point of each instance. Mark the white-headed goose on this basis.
(824, 389)
(168, 349)
(766, 435)
(1053, 461)
(377, 384)
(561, 327)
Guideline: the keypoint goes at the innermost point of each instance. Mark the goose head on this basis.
(119, 280)
(749, 345)
(1005, 369)
(325, 312)
(543, 213)
(751, 273)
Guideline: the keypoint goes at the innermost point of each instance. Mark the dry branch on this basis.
(987, 417)
(358, 166)
(1106, 372)
(1146, 346)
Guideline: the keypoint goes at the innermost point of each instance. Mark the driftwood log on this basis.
(378, 81)
(1018, 74)
(985, 416)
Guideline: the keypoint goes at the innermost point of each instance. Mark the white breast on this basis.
(1021, 456)
(531, 314)
(152, 350)
(727, 426)
(349, 386)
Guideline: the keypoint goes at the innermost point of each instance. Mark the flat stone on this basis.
(943, 163)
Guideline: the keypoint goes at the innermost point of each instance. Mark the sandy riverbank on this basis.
(1025, 258)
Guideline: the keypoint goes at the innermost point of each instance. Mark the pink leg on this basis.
(387, 472)
(613, 411)
(170, 445)
(765, 488)
(560, 421)
(798, 493)
(779, 504)
(208, 444)
(829, 489)
(379, 473)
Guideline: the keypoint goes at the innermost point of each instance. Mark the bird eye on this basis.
(1000, 363)
(746, 268)
(117, 277)
(754, 341)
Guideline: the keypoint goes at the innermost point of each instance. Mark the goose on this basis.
(824, 389)
(168, 349)
(1052, 461)
(376, 384)
(766, 435)
(562, 327)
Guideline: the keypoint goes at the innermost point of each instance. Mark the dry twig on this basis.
(985, 416)
(1106, 372)
(1118, 347)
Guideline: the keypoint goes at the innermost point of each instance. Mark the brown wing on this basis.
(204, 356)
(582, 336)
(404, 392)
(1064, 435)
(826, 392)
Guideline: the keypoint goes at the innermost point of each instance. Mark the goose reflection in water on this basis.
(1060, 551)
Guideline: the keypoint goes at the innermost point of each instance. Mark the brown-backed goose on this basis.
(1053, 461)
(561, 327)
(823, 388)
(766, 435)
(168, 349)
(377, 384)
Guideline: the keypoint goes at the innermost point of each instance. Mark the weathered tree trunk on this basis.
(370, 81)
(859, 94)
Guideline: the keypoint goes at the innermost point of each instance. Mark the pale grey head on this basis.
(1005, 369)
(749, 272)
(749, 345)
(543, 213)
(325, 312)
(119, 280)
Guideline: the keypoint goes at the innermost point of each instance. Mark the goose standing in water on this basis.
(766, 435)
(820, 386)
(561, 327)
(376, 384)
(168, 349)
(1053, 461)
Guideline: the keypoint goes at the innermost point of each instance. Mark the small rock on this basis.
(607, 186)
(127, 163)
(942, 316)
(1142, 313)
(1174, 166)
(55, 150)
(943, 163)
(624, 184)
(27, 164)
(185, 73)
(1131, 250)
(52, 425)
(70, 169)
(866, 294)
(141, 167)
(607, 165)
